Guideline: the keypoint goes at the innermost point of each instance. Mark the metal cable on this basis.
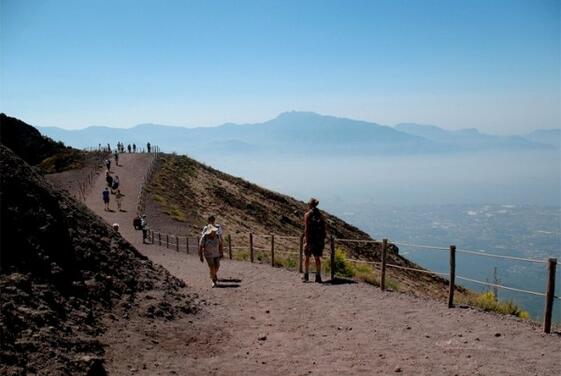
(479, 253)
(358, 241)
(416, 270)
(500, 286)
(421, 246)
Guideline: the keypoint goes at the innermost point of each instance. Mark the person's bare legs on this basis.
(318, 263)
(306, 268)
(318, 268)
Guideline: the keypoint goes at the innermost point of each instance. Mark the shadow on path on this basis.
(223, 286)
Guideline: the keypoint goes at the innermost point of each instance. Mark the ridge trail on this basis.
(270, 323)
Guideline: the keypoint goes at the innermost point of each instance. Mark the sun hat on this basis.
(210, 229)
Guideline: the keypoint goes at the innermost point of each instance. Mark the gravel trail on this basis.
(265, 321)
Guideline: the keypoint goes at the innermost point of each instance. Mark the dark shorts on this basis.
(213, 261)
(314, 249)
(106, 200)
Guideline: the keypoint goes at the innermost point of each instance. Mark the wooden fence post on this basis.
(549, 294)
(187, 244)
(383, 273)
(230, 246)
(332, 259)
(300, 261)
(273, 251)
(251, 247)
(167, 241)
(452, 276)
(176, 243)
(159, 239)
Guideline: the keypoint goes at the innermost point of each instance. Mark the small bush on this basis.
(343, 267)
(241, 255)
(487, 301)
(286, 262)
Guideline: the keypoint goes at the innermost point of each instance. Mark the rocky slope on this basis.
(63, 271)
(39, 150)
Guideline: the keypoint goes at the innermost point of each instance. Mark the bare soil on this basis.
(264, 320)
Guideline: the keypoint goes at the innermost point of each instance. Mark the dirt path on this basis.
(271, 323)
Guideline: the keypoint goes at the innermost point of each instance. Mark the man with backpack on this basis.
(314, 238)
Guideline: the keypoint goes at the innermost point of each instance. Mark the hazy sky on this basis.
(494, 65)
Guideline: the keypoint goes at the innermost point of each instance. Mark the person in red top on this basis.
(314, 238)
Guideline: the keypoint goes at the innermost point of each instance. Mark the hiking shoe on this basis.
(214, 284)
(318, 278)
(306, 278)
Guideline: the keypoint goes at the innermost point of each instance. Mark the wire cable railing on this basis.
(254, 246)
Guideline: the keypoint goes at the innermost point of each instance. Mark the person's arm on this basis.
(306, 220)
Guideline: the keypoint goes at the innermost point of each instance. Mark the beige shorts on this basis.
(213, 261)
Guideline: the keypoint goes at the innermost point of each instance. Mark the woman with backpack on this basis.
(314, 238)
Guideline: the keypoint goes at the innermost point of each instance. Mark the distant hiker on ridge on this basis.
(148, 147)
(211, 248)
(144, 228)
(314, 238)
(129, 147)
(115, 184)
(119, 198)
(105, 196)
(134, 148)
(116, 154)
(109, 179)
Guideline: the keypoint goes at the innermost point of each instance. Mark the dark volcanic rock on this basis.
(26, 141)
(61, 269)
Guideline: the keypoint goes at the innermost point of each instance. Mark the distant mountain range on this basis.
(306, 133)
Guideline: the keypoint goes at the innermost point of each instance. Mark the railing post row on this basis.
(383, 272)
(300, 259)
(549, 294)
(273, 251)
(251, 246)
(452, 276)
(332, 266)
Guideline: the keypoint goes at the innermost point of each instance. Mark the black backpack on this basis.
(136, 223)
(316, 226)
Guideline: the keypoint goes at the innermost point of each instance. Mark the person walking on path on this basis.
(116, 154)
(108, 164)
(129, 147)
(148, 146)
(134, 148)
(105, 196)
(109, 179)
(211, 248)
(144, 228)
(314, 238)
(119, 198)
(115, 184)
